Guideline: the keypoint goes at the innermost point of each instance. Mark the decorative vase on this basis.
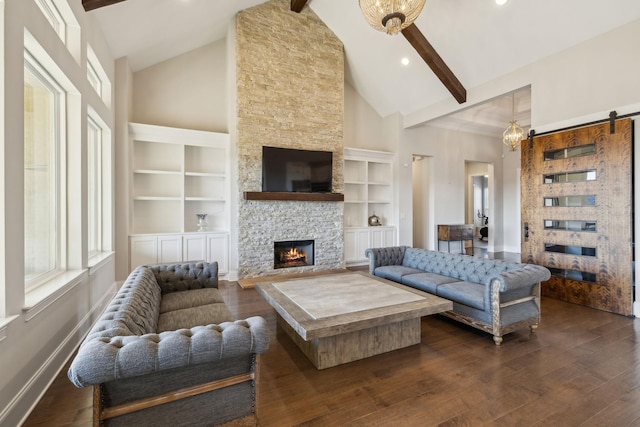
(202, 222)
(374, 220)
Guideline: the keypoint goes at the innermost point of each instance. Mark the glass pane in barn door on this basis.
(576, 214)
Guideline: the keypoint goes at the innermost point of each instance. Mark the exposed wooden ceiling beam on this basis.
(435, 62)
(298, 5)
(95, 4)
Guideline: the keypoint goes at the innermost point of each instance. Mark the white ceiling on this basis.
(479, 41)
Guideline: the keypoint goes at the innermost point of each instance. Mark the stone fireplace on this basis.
(290, 94)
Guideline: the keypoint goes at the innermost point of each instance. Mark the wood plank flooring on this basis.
(582, 368)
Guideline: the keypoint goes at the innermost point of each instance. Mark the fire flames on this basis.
(293, 255)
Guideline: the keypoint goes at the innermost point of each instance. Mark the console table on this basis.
(457, 233)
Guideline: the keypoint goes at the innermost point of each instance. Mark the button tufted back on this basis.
(185, 276)
(385, 256)
(134, 310)
(465, 268)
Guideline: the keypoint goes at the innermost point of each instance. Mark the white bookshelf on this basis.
(368, 186)
(176, 174)
(368, 190)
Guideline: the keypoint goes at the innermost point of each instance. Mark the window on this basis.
(44, 109)
(64, 23)
(54, 17)
(94, 79)
(97, 77)
(95, 176)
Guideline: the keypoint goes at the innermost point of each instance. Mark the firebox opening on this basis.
(293, 253)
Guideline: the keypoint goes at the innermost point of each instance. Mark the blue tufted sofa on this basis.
(167, 352)
(495, 296)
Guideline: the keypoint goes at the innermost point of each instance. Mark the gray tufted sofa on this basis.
(167, 352)
(495, 296)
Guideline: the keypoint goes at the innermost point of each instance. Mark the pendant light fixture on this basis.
(512, 136)
(391, 16)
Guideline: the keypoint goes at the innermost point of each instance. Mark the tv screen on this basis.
(303, 171)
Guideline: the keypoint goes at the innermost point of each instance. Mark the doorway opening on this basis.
(479, 205)
(424, 234)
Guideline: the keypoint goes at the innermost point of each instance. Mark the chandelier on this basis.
(512, 136)
(391, 16)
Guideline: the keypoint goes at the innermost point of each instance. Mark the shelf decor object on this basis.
(202, 221)
(374, 220)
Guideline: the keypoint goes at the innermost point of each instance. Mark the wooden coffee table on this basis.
(339, 318)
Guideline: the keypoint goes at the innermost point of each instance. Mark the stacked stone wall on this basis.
(290, 94)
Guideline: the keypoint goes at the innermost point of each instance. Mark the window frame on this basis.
(39, 71)
(95, 73)
(95, 179)
(55, 18)
(94, 79)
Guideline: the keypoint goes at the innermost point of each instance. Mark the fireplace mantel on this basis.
(293, 196)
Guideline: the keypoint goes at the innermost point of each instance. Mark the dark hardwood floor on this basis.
(582, 368)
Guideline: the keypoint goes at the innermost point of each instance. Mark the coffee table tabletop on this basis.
(323, 306)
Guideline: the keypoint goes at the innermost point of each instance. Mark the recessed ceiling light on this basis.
(500, 2)
(405, 61)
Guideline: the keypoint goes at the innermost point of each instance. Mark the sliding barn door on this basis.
(577, 214)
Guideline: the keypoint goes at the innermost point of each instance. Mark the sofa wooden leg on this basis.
(533, 328)
(97, 406)
(497, 339)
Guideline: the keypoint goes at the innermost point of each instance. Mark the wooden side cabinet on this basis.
(455, 233)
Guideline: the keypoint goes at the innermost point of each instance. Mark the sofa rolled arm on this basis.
(106, 359)
(185, 276)
(378, 257)
(529, 275)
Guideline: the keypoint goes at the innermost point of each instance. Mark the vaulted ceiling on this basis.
(478, 40)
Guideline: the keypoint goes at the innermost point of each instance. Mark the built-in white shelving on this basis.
(176, 174)
(368, 190)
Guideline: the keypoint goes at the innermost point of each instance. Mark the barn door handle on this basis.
(526, 231)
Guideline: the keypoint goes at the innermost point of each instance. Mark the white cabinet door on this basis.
(356, 241)
(170, 248)
(194, 247)
(383, 236)
(153, 249)
(390, 236)
(377, 238)
(350, 245)
(364, 241)
(143, 250)
(218, 250)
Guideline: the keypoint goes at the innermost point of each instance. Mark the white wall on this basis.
(124, 109)
(363, 127)
(450, 151)
(38, 335)
(511, 200)
(598, 75)
(188, 91)
(422, 206)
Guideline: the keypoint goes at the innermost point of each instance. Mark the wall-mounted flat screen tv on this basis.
(290, 170)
